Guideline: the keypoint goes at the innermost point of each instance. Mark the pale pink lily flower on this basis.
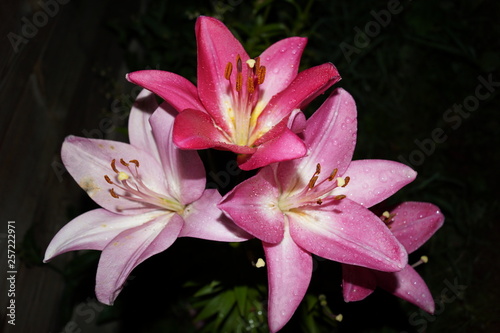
(413, 223)
(150, 192)
(318, 205)
(240, 104)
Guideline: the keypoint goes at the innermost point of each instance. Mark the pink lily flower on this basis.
(240, 104)
(318, 205)
(150, 192)
(413, 223)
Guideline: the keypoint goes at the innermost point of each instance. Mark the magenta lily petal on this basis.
(93, 230)
(408, 285)
(139, 130)
(240, 103)
(338, 232)
(289, 270)
(357, 282)
(205, 221)
(306, 85)
(89, 160)
(261, 216)
(216, 48)
(129, 249)
(173, 88)
(285, 147)
(184, 171)
(282, 61)
(372, 181)
(195, 130)
(330, 135)
(297, 121)
(415, 222)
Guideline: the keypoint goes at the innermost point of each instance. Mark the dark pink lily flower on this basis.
(413, 223)
(150, 192)
(240, 104)
(318, 205)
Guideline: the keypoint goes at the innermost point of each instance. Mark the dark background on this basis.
(62, 67)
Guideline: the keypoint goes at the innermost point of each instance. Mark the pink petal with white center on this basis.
(357, 282)
(346, 232)
(287, 146)
(372, 181)
(204, 220)
(253, 206)
(307, 85)
(139, 129)
(194, 129)
(184, 170)
(173, 88)
(408, 285)
(93, 230)
(289, 270)
(216, 48)
(89, 160)
(282, 61)
(330, 136)
(129, 249)
(415, 223)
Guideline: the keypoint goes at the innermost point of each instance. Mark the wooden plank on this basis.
(47, 91)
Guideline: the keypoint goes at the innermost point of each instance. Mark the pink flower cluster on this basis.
(308, 196)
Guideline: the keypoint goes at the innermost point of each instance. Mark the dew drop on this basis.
(276, 70)
(283, 50)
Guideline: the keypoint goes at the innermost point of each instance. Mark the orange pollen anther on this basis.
(261, 74)
(113, 166)
(228, 71)
(239, 81)
(123, 162)
(108, 180)
(333, 174)
(113, 194)
(136, 162)
(346, 179)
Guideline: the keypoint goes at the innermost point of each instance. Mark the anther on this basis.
(239, 67)
(339, 197)
(113, 166)
(239, 81)
(314, 178)
(346, 181)
(228, 71)
(261, 74)
(113, 194)
(319, 202)
(123, 162)
(136, 162)
(250, 85)
(108, 180)
(257, 63)
(333, 174)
